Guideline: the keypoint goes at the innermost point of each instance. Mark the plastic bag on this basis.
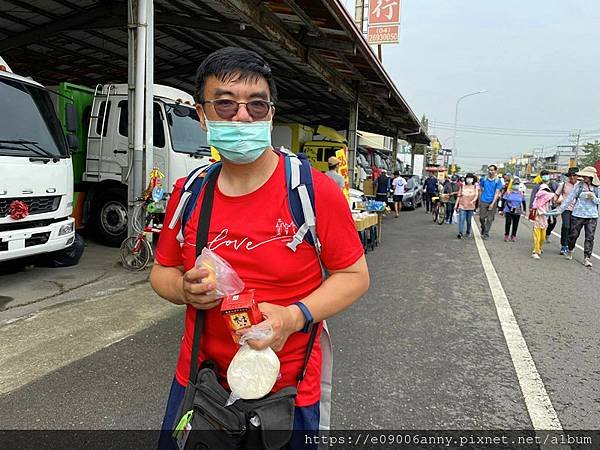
(220, 273)
(252, 373)
(455, 216)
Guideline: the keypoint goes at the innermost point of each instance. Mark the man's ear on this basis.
(201, 116)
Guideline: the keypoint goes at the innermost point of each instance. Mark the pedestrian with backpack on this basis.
(282, 226)
(490, 188)
(585, 198)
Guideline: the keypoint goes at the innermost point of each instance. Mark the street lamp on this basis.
(456, 120)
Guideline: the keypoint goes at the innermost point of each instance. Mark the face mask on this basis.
(469, 180)
(239, 142)
(545, 177)
(515, 187)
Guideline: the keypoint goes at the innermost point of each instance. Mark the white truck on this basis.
(36, 173)
(103, 163)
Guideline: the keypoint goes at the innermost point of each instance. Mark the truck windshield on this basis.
(29, 126)
(184, 126)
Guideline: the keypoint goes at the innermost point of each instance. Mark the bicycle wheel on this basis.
(435, 210)
(441, 218)
(135, 253)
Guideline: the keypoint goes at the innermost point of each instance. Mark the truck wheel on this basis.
(67, 257)
(110, 216)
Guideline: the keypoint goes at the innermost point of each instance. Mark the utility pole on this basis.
(359, 14)
(577, 148)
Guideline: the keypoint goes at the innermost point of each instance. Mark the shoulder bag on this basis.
(203, 421)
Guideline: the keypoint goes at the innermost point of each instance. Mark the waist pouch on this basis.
(265, 423)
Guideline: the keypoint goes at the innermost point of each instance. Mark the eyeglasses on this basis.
(226, 108)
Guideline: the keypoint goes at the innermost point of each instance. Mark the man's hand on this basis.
(284, 321)
(194, 291)
(491, 206)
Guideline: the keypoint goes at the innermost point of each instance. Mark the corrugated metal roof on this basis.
(319, 57)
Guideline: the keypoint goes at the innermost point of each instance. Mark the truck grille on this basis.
(37, 239)
(37, 205)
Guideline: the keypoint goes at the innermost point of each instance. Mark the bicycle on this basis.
(438, 209)
(136, 251)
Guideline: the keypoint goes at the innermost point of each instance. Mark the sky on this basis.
(539, 61)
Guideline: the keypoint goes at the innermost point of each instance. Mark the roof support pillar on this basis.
(140, 96)
(395, 151)
(352, 138)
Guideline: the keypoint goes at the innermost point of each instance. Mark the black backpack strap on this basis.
(201, 241)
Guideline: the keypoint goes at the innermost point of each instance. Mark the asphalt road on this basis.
(423, 349)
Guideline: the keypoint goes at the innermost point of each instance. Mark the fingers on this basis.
(195, 292)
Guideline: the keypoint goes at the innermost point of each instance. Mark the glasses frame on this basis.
(215, 101)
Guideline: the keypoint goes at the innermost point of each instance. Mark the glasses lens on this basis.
(258, 109)
(226, 109)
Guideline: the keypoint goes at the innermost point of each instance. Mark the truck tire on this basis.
(67, 257)
(109, 216)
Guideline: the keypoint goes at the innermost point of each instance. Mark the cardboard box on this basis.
(368, 187)
(240, 311)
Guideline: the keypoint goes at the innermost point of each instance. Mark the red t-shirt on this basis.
(251, 232)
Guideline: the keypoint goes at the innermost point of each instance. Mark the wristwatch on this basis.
(307, 316)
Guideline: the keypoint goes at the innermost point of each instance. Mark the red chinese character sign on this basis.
(384, 22)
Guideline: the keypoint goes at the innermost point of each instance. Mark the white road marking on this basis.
(576, 245)
(542, 413)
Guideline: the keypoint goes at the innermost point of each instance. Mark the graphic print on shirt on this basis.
(284, 231)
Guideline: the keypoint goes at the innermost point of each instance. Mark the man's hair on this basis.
(233, 64)
(333, 166)
(494, 166)
(544, 172)
(396, 172)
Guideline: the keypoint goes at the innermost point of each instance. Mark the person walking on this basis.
(585, 196)
(488, 198)
(465, 205)
(540, 206)
(514, 206)
(235, 92)
(451, 188)
(544, 177)
(383, 185)
(506, 187)
(334, 163)
(431, 190)
(398, 187)
(562, 192)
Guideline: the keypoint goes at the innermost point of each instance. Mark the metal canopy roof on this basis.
(319, 58)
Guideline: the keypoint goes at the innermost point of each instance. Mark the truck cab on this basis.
(36, 174)
(101, 181)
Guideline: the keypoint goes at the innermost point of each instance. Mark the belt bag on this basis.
(266, 423)
(250, 424)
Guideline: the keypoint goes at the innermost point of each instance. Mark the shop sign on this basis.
(384, 35)
(384, 12)
(343, 170)
(384, 22)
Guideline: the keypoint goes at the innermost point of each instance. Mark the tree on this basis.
(591, 154)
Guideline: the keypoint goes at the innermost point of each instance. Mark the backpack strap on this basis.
(189, 195)
(301, 200)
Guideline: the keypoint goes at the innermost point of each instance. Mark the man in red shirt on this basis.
(250, 225)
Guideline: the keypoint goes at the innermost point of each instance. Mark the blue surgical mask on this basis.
(239, 142)
(545, 177)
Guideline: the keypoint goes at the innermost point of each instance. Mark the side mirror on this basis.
(71, 118)
(73, 142)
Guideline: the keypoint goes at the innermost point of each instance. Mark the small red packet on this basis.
(240, 311)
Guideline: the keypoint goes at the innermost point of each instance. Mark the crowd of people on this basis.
(576, 199)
